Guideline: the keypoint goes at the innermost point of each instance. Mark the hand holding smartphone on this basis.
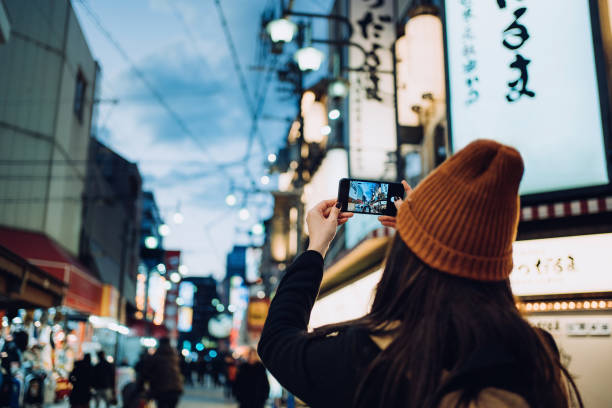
(369, 197)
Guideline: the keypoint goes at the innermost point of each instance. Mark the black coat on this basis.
(163, 372)
(82, 380)
(252, 386)
(326, 371)
(104, 375)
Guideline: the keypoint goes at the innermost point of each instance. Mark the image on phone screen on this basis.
(368, 197)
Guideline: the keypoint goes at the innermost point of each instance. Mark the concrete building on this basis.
(47, 88)
(110, 241)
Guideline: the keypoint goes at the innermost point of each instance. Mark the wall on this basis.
(43, 145)
(588, 358)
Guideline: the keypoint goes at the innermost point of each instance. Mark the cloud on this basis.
(198, 81)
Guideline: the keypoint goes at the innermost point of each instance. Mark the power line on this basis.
(255, 109)
(156, 94)
(235, 58)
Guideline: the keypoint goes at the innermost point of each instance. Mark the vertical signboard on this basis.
(524, 72)
(372, 134)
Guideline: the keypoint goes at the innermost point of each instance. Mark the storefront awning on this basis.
(84, 291)
(24, 285)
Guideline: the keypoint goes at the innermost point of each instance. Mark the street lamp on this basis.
(309, 58)
(281, 30)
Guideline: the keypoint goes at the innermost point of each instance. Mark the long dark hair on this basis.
(437, 322)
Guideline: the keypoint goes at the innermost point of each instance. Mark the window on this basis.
(79, 96)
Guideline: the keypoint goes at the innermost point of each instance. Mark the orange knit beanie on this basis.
(462, 218)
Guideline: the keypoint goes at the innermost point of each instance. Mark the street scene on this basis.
(176, 228)
(367, 197)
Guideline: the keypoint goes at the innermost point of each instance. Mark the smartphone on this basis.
(369, 197)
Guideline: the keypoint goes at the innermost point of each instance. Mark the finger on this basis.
(346, 215)
(386, 218)
(325, 206)
(398, 203)
(407, 187)
(342, 221)
(333, 214)
(388, 224)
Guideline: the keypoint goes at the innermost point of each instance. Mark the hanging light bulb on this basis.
(164, 230)
(230, 200)
(334, 114)
(339, 88)
(244, 214)
(265, 180)
(151, 242)
(271, 157)
(257, 229)
(309, 58)
(281, 30)
(178, 218)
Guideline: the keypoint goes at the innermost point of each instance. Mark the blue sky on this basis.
(180, 48)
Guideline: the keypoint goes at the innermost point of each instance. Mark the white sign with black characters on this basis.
(372, 134)
(523, 72)
(565, 265)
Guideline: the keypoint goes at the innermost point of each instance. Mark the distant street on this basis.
(203, 397)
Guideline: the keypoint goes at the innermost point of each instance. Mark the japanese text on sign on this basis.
(514, 37)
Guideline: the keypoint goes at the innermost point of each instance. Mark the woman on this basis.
(443, 330)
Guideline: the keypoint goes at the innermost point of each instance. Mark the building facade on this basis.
(47, 83)
(110, 240)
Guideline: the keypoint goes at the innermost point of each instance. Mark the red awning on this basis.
(84, 291)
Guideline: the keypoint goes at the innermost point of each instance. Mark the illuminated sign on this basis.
(157, 297)
(524, 73)
(579, 264)
(186, 293)
(256, 315)
(185, 319)
(372, 135)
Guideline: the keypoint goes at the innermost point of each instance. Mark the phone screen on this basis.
(369, 197)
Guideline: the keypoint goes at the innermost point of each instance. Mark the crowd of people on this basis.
(163, 375)
(243, 379)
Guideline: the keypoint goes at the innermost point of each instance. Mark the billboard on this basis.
(525, 73)
(563, 265)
